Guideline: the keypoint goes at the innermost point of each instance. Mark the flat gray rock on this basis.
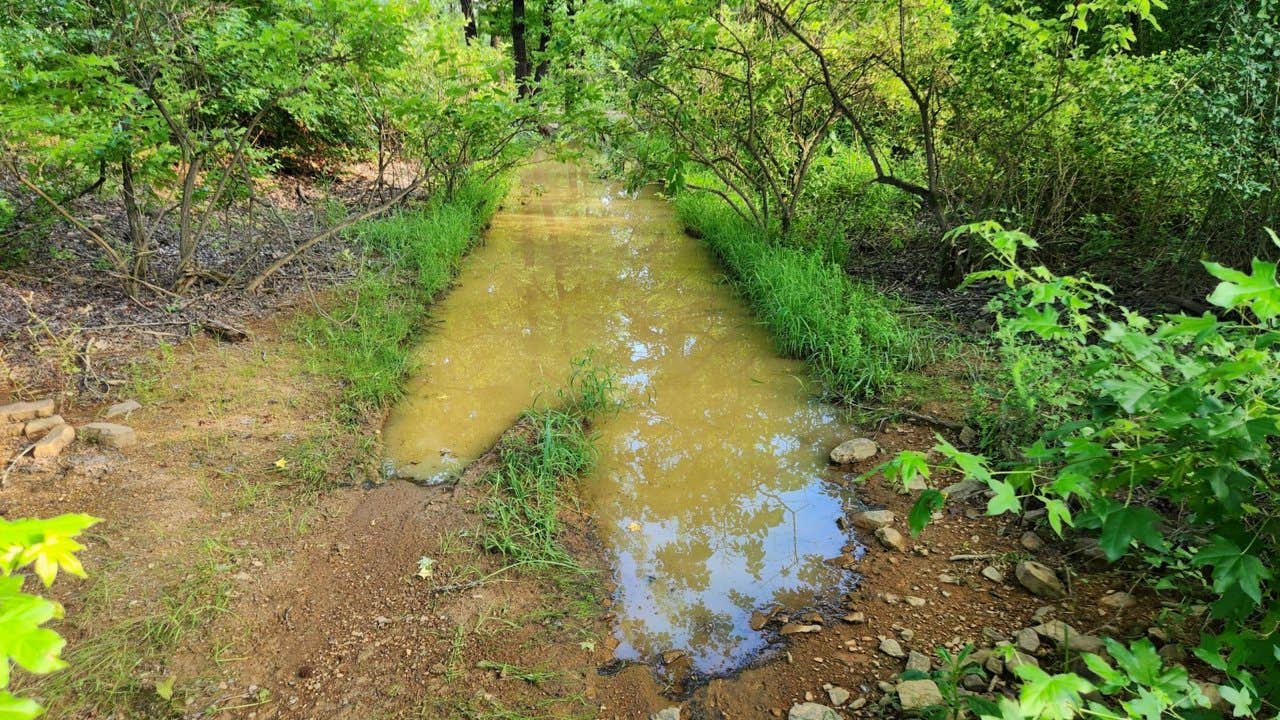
(109, 435)
(918, 694)
(122, 408)
(851, 451)
(811, 711)
(1040, 580)
(872, 519)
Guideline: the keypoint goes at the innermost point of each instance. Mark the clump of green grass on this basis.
(852, 336)
(411, 257)
(523, 508)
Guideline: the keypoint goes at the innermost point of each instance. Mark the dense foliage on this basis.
(1166, 448)
(1120, 149)
(176, 110)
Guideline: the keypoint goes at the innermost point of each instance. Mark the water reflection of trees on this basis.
(718, 457)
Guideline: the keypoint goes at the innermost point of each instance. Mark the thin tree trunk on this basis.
(469, 30)
(137, 225)
(519, 48)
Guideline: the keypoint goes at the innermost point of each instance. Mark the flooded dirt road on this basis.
(712, 492)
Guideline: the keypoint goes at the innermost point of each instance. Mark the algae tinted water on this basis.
(712, 489)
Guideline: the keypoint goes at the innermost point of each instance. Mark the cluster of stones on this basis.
(51, 434)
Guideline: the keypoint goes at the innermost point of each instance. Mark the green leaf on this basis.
(1258, 291)
(1139, 661)
(1051, 697)
(16, 708)
(929, 501)
(1232, 567)
(23, 640)
(1005, 498)
(1241, 701)
(1125, 524)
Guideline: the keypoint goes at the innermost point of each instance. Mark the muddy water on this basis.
(712, 489)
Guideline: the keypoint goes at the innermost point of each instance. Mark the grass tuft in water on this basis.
(364, 340)
(523, 508)
(851, 336)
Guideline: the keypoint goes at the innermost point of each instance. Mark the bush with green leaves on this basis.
(1168, 453)
(44, 547)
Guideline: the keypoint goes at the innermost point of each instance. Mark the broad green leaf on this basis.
(1125, 524)
(1051, 697)
(922, 511)
(16, 708)
(1258, 291)
(1232, 567)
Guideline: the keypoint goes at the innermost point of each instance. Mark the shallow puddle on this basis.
(712, 489)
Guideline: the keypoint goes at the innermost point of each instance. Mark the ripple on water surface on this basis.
(712, 492)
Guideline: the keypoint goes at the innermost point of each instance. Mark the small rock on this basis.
(851, 451)
(1063, 634)
(20, 411)
(1118, 601)
(1211, 692)
(758, 620)
(915, 484)
(1026, 640)
(1039, 580)
(8, 430)
(671, 656)
(40, 426)
(54, 441)
(872, 519)
(948, 579)
(797, 629)
(919, 662)
(109, 434)
(992, 574)
(914, 601)
(671, 713)
(918, 694)
(1018, 659)
(994, 664)
(121, 408)
(907, 634)
(890, 647)
(968, 436)
(965, 489)
(838, 695)
(973, 683)
(858, 704)
(891, 539)
(855, 618)
(811, 711)
(1173, 653)
(1031, 541)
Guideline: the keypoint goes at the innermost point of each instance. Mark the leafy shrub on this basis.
(848, 333)
(1177, 412)
(46, 546)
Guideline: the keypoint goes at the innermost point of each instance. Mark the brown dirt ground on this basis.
(260, 591)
